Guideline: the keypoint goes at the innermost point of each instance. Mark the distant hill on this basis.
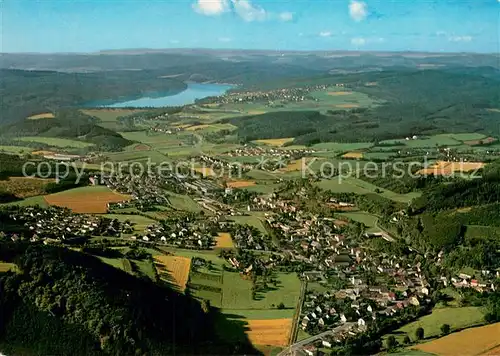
(71, 124)
(423, 102)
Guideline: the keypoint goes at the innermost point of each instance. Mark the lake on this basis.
(194, 91)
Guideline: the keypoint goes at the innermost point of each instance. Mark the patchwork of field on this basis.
(457, 318)
(483, 340)
(275, 332)
(174, 270)
(275, 142)
(24, 187)
(358, 186)
(353, 155)
(56, 142)
(224, 240)
(92, 200)
(447, 168)
(110, 114)
(46, 115)
(342, 147)
(240, 183)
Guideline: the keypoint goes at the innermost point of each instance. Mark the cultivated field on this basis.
(23, 187)
(224, 240)
(447, 168)
(275, 142)
(174, 270)
(476, 341)
(273, 332)
(47, 115)
(353, 155)
(4, 266)
(92, 200)
(457, 318)
(241, 183)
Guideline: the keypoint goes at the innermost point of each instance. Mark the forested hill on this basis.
(64, 302)
(32, 92)
(423, 102)
(68, 123)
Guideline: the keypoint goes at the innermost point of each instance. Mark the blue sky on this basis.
(393, 25)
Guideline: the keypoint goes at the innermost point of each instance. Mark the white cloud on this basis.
(225, 39)
(174, 41)
(249, 12)
(288, 16)
(460, 38)
(358, 10)
(358, 41)
(325, 34)
(442, 33)
(211, 7)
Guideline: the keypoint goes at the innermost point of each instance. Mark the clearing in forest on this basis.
(353, 155)
(47, 115)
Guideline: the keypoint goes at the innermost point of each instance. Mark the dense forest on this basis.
(416, 103)
(63, 302)
(25, 93)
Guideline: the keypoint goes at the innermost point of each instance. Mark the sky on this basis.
(382, 25)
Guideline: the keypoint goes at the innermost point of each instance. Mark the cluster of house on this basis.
(249, 238)
(463, 280)
(59, 224)
(259, 151)
(270, 97)
(182, 234)
(144, 189)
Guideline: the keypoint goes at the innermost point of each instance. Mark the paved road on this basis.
(292, 349)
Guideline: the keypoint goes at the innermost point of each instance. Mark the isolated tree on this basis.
(390, 342)
(445, 329)
(419, 333)
(407, 340)
(281, 306)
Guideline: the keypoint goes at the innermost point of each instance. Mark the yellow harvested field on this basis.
(173, 269)
(197, 127)
(47, 115)
(474, 341)
(492, 352)
(347, 106)
(256, 112)
(273, 332)
(241, 183)
(446, 168)
(275, 141)
(493, 110)
(4, 266)
(354, 155)
(206, 171)
(339, 93)
(224, 240)
(84, 201)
